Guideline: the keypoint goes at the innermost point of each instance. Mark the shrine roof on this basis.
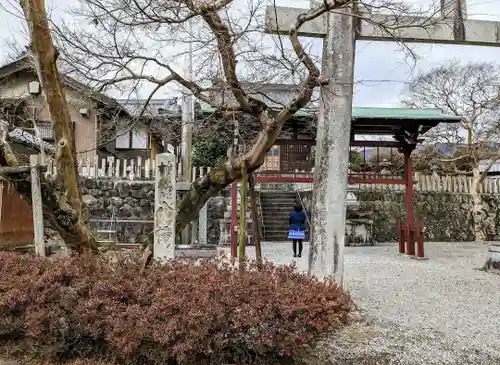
(383, 121)
(403, 114)
(390, 121)
(379, 113)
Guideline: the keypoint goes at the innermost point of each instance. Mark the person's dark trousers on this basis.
(295, 247)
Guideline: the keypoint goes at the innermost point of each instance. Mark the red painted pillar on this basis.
(234, 218)
(410, 243)
(420, 240)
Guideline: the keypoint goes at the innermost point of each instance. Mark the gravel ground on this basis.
(439, 311)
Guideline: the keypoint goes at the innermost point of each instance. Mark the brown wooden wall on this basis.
(16, 221)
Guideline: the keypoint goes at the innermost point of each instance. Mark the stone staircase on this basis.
(276, 208)
(277, 205)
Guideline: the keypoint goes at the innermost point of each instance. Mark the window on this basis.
(136, 138)
(123, 139)
(46, 131)
(139, 138)
(274, 151)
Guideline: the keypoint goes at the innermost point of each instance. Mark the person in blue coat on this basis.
(296, 233)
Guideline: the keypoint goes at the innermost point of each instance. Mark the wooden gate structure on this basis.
(401, 128)
(16, 220)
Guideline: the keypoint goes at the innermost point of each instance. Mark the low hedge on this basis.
(82, 308)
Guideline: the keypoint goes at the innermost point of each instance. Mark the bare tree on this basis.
(138, 44)
(66, 212)
(129, 46)
(471, 91)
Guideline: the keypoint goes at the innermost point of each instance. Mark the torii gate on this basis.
(340, 32)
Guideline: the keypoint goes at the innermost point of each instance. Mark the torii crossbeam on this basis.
(340, 32)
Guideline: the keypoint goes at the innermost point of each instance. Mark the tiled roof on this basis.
(29, 140)
(24, 138)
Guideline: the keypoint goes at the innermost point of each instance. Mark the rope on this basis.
(302, 204)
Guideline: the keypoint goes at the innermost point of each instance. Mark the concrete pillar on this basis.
(202, 225)
(454, 9)
(37, 206)
(326, 253)
(165, 207)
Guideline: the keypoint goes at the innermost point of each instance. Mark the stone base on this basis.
(359, 233)
(493, 260)
(195, 251)
(418, 258)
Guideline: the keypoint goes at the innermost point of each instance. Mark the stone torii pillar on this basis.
(340, 31)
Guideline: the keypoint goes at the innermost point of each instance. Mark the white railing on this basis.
(456, 184)
(122, 169)
(140, 169)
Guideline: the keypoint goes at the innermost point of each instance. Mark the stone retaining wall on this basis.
(446, 216)
(127, 207)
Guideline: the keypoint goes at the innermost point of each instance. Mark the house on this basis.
(94, 116)
(98, 121)
(161, 125)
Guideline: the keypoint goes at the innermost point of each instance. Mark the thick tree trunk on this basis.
(68, 213)
(480, 209)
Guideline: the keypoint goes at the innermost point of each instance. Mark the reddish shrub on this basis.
(179, 313)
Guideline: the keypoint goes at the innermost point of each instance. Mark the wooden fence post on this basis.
(165, 207)
(36, 204)
(243, 222)
(255, 218)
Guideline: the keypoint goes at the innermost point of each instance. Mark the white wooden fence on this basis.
(456, 184)
(123, 169)
(139, 169)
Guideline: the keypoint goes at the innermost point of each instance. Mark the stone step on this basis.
(274, 193)
(283, 198)
(283, 228)
(277, 212)
(283, 204)
(276, 220)
(279, 238)
(282, 232)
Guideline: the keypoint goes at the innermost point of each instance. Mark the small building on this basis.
(101, 125)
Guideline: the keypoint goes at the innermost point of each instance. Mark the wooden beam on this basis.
(294, 142)
(279, 178)
(405, 28)
(392, 144)
(353, 179)
(5, 170)
(377, 181)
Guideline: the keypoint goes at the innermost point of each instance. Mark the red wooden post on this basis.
(420, 240)
(234, 217)
(410, 243)
(401, 232)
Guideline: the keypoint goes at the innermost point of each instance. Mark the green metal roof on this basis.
(402, 113)
(378, 113)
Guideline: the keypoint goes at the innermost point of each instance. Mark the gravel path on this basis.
(440, 311)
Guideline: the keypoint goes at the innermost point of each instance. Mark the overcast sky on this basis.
(382, 70)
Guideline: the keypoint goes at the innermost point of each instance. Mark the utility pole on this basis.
(187, 116)
(187, 127)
